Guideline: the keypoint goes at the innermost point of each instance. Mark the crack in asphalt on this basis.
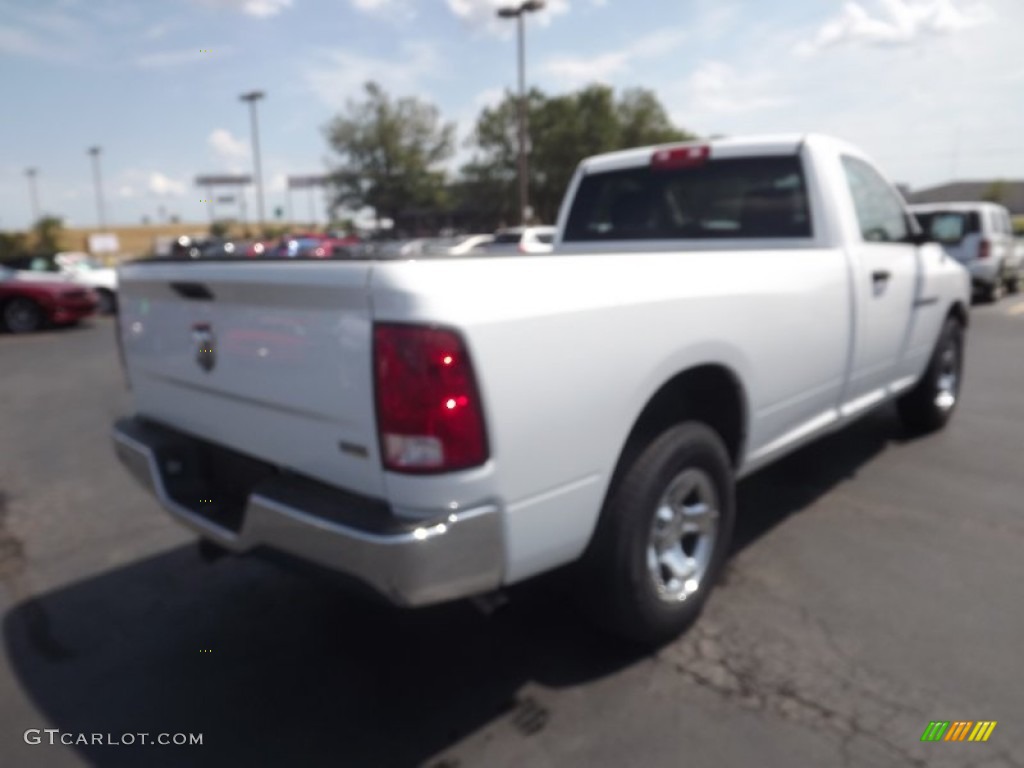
(821, 687)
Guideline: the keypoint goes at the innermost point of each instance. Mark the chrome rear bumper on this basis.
(411, 563)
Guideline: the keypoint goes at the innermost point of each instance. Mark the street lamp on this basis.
(33, 193)
(95, 152)
(252, 97)
(518, 12)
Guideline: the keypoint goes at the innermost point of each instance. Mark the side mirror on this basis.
(920, 238)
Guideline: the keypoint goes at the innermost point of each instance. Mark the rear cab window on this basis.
(949, 227)
(756, 197)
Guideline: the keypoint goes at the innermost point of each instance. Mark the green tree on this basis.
(220, 228)
(995, 193)
(46, 234)
(12, 245)
(563, 130)
(389, 153)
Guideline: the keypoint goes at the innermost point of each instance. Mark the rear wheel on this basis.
(21, 315)
(993, 291)
(1013, 282)
(663, 537)
(930, 404)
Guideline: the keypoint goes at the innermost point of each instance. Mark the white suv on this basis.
(979, 236)
(523, 240)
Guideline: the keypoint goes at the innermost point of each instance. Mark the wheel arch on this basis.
(960, 312)
(711, 393)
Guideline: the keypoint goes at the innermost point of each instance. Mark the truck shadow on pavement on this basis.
(273, 668)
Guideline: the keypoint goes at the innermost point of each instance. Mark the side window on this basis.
(878, 206)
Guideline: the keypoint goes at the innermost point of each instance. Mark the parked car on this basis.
(80, 268)
(293, 247)
(522, 240)
(328, 248)
(447, 427)
(30, 300)
(459, 245)
(88, 271)
(979, 236)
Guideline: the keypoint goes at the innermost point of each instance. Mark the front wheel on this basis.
(663, 536)
(21, 315)
(930, 404)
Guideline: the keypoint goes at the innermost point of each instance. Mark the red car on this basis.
(29, 301)
(328, 248)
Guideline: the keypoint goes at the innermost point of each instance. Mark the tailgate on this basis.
(270, 359)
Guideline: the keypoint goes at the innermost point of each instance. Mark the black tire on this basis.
(993, 292)
(22, 315)
(1013, 283)
(108, 302)
(930, 404)
(618, 583)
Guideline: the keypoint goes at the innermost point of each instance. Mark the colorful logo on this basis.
(958, 730)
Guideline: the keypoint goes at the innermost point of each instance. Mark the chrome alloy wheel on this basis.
(683, 534)
(947, 381)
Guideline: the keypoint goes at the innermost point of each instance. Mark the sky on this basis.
(930, 88)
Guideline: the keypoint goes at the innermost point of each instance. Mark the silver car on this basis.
(979, 236)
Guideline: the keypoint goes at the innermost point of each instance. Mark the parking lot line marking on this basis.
(1016, 309)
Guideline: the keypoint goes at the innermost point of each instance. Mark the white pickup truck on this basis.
(441, 427)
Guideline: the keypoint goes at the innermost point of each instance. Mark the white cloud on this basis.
(16, 41)
(716, 88)
(258, 8)
(157, 31)
(231, 152)
(19, 42)
(483, 14)
(899, 22)
(175, 58)
(578, 70)
(136, 183)
(341, 74)
(278, 183)
(372, 6)
(162, 186)
(389, 10)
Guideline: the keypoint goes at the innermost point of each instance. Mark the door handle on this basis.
(881, 276)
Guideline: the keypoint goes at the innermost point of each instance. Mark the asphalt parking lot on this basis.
(876, 586)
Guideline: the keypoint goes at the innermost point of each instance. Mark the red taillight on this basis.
(984, 249)
(429, 414)
(679, 157)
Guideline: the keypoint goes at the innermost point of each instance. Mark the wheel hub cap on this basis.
(948, 379)
(683, 534)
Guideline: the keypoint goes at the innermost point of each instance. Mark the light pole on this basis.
(518, 12)
(95, 152)
(33, 193)
(252, 97)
